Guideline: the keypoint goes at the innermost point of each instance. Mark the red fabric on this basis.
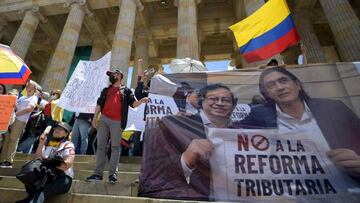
(47, 109)
(289, 39)
(112, 108)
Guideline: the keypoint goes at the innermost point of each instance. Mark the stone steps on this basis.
(81, 174)
(10, 195)
(13, 182)
(124, 191)
(82, 187)
(83, 158)
(124, 167)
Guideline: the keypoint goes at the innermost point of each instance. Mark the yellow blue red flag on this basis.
(268, 31)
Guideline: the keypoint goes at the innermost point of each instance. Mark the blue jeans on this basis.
(80, 135)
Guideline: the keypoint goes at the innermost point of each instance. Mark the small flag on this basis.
(268, 31)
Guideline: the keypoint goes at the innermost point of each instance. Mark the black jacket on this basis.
(140, 92)
(127, 100)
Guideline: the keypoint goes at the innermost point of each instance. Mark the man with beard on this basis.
(176, 153)
(113, 103)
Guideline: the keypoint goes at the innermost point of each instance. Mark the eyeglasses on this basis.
(272, 84)
(224, 100)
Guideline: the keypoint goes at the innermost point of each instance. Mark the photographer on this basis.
(57, 154)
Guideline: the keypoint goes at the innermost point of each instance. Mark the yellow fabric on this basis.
(53, 143)
(9, 61)
(264, 19)
(24, 92)
(56, 111)
(127, 134)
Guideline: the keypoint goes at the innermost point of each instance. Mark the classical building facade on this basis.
(51, 34)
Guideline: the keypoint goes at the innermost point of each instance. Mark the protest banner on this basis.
(135, 119)
(176, 157)
(7, 103)
(158, 107)
(268, 166)
(85, 85)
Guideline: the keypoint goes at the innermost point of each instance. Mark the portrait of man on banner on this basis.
(177, 152)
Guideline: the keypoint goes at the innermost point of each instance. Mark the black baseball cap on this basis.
(117, 71)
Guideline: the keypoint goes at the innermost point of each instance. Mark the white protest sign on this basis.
(85, 85)
(240, 112)
(158, 107)
(135, 119)
(265, 166)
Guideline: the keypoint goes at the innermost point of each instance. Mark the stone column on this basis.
(250, 6)
(24, 35)
(141, 52)
(121, 48)
(187, 34)
(314, 53)
(3, 24)
(97, 50)
(58, 68)
(345, 26)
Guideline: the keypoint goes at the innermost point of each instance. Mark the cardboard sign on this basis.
(7, 103)
(85, 85)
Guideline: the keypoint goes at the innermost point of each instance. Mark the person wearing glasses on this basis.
(176, 158)
(288, 107)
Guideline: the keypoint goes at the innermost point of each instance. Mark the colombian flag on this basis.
(268, 31)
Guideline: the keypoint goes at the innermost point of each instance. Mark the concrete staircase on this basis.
(125, 191)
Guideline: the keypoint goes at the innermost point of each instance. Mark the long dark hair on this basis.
(4, 88)
(302, 94)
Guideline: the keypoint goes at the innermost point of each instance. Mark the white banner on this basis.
(135, 119)
(85, 85)
(158, 107)
(264, 166)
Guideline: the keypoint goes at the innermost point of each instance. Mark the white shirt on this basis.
(64, 150)
(307, 123)
(22, 103)
(43, 103)
(207, 124)
(189, 108)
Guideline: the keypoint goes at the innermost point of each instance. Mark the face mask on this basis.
(53, 97)
(112, 79)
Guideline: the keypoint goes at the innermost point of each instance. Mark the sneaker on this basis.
(6, 164)
(112, 178)
(94, 178)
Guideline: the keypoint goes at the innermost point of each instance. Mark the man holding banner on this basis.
(289, 108)
(180, 168)
(113, 103)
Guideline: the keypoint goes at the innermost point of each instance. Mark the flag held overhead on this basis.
(268, 31)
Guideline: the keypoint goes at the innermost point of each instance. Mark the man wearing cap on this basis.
(113, 103)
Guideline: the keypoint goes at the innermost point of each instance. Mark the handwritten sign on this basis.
(7, 103)
(265, 166)
(85, 85)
